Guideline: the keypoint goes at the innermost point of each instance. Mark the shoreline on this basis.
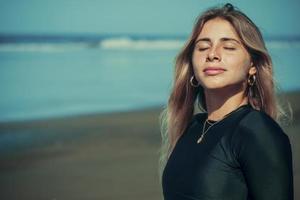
(293, 96)
(25, 135)
(80, 114)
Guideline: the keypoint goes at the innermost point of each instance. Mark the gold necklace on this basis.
(212, 124)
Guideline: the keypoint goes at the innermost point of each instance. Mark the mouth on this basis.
(210, 71)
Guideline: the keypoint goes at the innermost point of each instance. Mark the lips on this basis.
(213, 70)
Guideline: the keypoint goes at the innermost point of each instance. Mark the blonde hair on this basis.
(181, 104)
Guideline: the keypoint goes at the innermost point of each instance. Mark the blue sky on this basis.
(170, 17)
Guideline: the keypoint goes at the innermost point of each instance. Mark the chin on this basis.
(213, 85)
(223, 86)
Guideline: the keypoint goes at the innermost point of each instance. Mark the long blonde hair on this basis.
(181, 104)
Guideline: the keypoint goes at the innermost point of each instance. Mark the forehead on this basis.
(218, 28)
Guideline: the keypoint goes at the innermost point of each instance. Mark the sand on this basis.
(99, 156)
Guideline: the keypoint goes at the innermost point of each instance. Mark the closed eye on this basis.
(230, 48)
(203, 49)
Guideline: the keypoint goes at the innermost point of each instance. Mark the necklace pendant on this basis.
(200, 139)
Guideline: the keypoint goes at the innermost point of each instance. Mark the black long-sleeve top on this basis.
(246, 156)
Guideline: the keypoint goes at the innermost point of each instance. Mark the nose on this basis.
(213, 54)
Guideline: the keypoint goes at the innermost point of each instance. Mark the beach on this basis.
(98, 156)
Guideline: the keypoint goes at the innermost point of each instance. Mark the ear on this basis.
(252, 70)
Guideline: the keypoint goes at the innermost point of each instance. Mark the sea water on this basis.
(43, 78)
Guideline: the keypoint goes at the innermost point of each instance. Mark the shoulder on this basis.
(258, 132)
(264, 155)
(259, 124)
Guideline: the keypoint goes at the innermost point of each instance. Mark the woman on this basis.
(233, 149)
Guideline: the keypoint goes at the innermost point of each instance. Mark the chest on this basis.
(208, 168)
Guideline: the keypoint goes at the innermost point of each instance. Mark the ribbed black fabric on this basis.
(246, 156)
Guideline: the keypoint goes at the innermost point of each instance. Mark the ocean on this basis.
(44, 76)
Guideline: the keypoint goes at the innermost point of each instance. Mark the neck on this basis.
(220, 102)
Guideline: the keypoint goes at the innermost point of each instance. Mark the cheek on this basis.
(197, 61)
(241, 71)
(240, 65)
(245, 62)
(194, 63)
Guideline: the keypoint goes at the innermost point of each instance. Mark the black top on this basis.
(245, 156)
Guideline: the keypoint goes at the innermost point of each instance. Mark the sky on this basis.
(162, 17)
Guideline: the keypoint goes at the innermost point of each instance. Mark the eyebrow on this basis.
(222, 40)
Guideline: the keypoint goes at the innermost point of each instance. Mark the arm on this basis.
(265, 158)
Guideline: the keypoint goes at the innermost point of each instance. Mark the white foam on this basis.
(128, 43)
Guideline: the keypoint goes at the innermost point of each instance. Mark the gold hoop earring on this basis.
(192, 82)
(251, 80)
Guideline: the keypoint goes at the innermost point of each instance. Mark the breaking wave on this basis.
(65, 43)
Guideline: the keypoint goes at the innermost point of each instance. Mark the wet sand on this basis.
(101, 156)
